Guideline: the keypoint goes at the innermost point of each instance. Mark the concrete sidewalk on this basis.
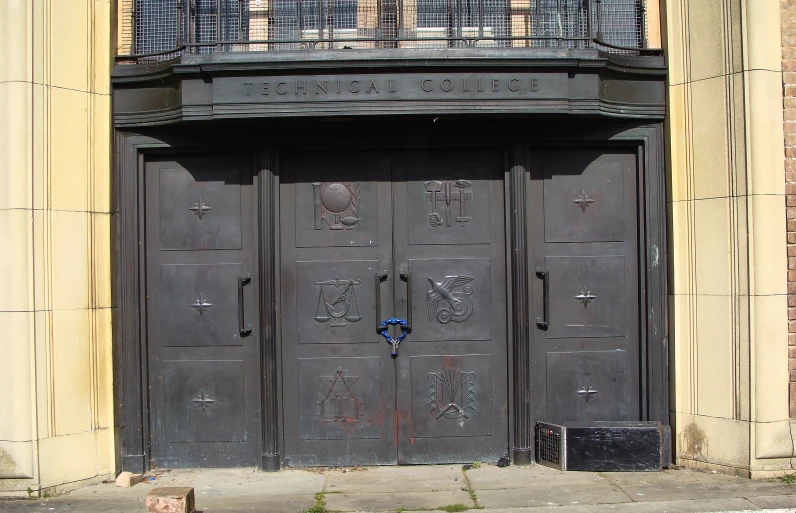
(449, 488)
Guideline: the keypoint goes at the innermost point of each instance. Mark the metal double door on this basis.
(368, 236)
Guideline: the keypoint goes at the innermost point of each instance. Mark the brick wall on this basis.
(788, 19)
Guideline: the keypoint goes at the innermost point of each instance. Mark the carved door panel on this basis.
(584, 258)
(449, 246)
(351, 225)
(336, 238)
(201, 311)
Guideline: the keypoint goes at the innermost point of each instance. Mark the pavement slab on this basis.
(696, 506)
(395, 501)
(521, 487)
(774, 501)
(551, 496)
(680, 484)
(416, 478)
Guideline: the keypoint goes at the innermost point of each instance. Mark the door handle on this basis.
(408, 277)
(380, 277)
(544, 323)
(245, 329)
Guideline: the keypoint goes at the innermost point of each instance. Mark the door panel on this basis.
(334, 302)
(575, 308)
(339, 380)
(590, 374)
(456, 398)
(337, 398)
(435, 218)
(216, 413)
(586, 364)
(448, 209)
(574, 188)
(342, 213)
(211, 290)
(206, 189)
(452, 299)
(204, 371)
(452, 370)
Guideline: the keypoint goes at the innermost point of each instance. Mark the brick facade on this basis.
(788, 21)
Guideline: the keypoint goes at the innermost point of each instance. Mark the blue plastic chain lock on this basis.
(394, 341)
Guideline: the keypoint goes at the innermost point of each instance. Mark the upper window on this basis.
(170, 27)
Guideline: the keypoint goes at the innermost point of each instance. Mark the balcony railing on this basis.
(154, 30)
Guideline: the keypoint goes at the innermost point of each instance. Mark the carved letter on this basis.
(338, 87)
(265, 89)
(351, 84)
(423, 86)
(480, 89)
(302, 87)
(372, 87)
(281, 84)
(446, 88)
(514, 88)
(495, 85)
(248, 87)
(323, 87)
(464, 86)
(392, 87)
(534, 84)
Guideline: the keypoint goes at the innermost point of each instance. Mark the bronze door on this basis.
(452, 368)
(356, 230)
(201, 311)
(586, 359)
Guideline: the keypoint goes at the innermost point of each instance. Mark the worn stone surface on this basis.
(394, 501)
(128, 479)
(171, 499)
(386, 489)
(397, 479)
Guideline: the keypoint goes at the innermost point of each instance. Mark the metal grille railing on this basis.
(164, 29)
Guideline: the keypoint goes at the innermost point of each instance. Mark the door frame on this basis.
(130, 369)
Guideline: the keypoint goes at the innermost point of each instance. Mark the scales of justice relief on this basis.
(343, 306)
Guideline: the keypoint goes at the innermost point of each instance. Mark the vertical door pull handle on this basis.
(380, 277)
(544, 322)
(408, 277)
(245, 329)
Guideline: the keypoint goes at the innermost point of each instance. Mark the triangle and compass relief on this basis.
(340, 404)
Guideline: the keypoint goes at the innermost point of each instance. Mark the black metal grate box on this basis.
(603, 446)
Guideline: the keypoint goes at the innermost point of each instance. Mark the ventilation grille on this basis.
(549, 445)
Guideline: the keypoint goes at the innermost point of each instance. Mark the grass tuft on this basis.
(320, 504)
(454, 508)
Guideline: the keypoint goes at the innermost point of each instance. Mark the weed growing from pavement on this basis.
(454, 508)
(789, 478)
(320, 504)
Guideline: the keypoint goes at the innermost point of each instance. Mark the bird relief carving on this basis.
(450, 299)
